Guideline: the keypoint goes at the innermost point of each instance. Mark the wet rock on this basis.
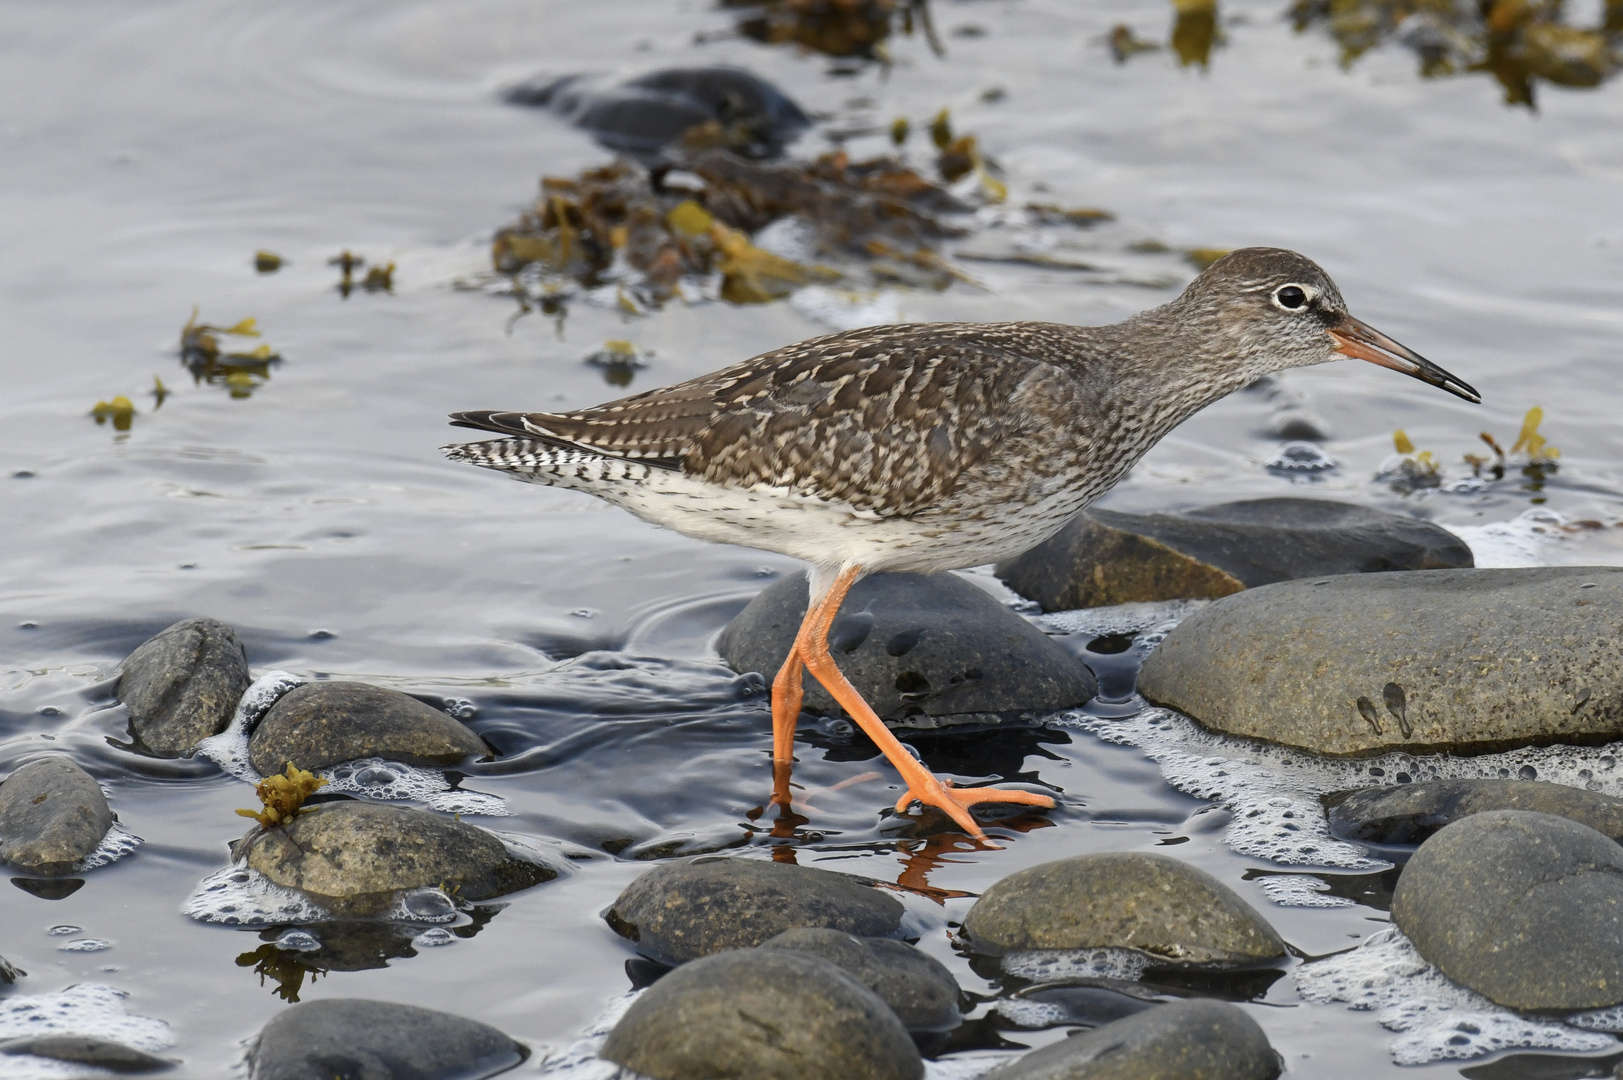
(685, 910)
(1458, 660)
(183, 685)
(1128, 900)
(1190, 1040)
(378, 1040)
(762, 1013)
(321, 724)
(668, 114)
(1409, 813)
(1526, 909)
(925, 650)
(84, 1050)
(361, 853)
(919, 990)
(1105, 557)
(9, 972)
(52, 815)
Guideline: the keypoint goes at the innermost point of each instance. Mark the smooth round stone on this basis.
(918, 988)
(925, 650)
(1106, 557)
(765, 1014)
(323, 723)
(1524, 908)
(357, 851)
(84, 1050)
(378, 1040)
(183, 685)
(52, 814)
(681, 911)
(1187, 1040)
(1457, 660)
(1126, 900)
(1409, 813)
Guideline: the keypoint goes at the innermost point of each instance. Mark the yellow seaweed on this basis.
(1531, 441)
(283, 796)
(120, 410)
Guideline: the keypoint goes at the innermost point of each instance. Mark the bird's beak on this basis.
(1361, 341)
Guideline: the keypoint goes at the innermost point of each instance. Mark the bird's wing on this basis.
(885, 418)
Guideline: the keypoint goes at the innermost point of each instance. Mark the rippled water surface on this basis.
(147, 151)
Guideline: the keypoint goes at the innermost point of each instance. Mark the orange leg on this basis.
(811, 649)
(787, 696)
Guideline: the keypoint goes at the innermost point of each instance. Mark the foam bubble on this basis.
(434, 937)
(118, 843)
(229, 749)
(1025, 1013)
(1608, 1019)
(1518, 542)
(1302, 890)
(89, 1009)
(88, 944)
(297, 941)
(1066, 965)
(1438, 1020)
(242, 896)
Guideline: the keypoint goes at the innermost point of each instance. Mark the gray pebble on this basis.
(84, 1050)
(52, 815)
(771, 1014)
(183, 685)
(918, 988)
(323, 723)
(685, 910)
(1128, 900)
(377, 1040)
(1408, 813)
(1524, 908)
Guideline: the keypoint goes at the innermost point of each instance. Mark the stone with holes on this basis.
(1524, 908)
(1458, 660)
(378, 1040)
(323, 723)
(925, 650)
(52, 815)
(1107, 557)
(1408, 813)
(764, 1013)
(919, 990)
(183, 685)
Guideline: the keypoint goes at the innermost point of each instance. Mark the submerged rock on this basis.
(183, 685)
(1409, 813)
(918, 988)
(84, 1050)
(1126, 900)
(9, 972)
(360, 853)
(1190, 1040)
(925, 650)
(323, 723)
(1524, 908)
(52, 815)
(667, 114)
(1105, 557)
(378, 1040)
(762, 1013)
(1458, 660)
(685, 910)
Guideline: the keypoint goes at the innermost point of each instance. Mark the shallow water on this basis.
(146, 153)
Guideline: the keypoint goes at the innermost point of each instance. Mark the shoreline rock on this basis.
(1409, 813)
(917, 988)
(52, 815)
(360, 1038)
(323, 723)
(183, 685)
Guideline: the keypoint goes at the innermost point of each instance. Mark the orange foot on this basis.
(955, 801)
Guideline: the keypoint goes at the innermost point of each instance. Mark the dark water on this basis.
(147, 151)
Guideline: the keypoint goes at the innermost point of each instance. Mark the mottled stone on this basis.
(685, 910)
(1106, 557)
(1458, 660)
(925, 650)
(84, 1050)
(918, 988)
(1408, 813)
(183, 685)
(361, 852)
(771, 1014)
(1526, 909)
(52, 814)
(378, 1040)
(322, 723)
(1186, 1040)
(1128, 900)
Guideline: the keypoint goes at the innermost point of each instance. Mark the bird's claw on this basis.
(956, 801)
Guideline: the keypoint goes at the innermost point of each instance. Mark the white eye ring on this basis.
(1303, 295)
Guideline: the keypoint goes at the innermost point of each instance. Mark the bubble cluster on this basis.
(118, 843)
(88, 944)
(240, 896)
(1066, 965)
(1436, 1019)
(88, 1009)
(1034, 1015)
(1302, 890)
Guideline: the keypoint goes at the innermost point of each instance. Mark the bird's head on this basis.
(1276, 309)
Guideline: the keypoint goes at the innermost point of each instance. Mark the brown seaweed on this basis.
(844, 28)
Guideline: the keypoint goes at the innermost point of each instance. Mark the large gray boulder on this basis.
(1408, 813)
(684, 910)
(1128, 900)
(183, 685)
(1185, 1040)
(1524, 908)
(52, 815)
(1107, 557)
(925, 650)
(377, 1040)
(771, 1014)
(323, 723)
(1458, 660)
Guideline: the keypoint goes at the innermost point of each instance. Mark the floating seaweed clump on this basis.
(855, 28)
(1518, 42)
(241, 373)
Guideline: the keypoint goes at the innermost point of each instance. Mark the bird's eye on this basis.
(1290, 297)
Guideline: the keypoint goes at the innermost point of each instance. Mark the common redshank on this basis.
(930, 447)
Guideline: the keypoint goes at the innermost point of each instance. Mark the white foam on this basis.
(1521, 541)
(1302, 890)
(1025, 1013)
(1067, 965)
(88, 1009)
(1437, 1020)
(1609, 1019)
(229, 749)
(118, 843)
(88, 944)
(1154, 620)
(241, 896)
